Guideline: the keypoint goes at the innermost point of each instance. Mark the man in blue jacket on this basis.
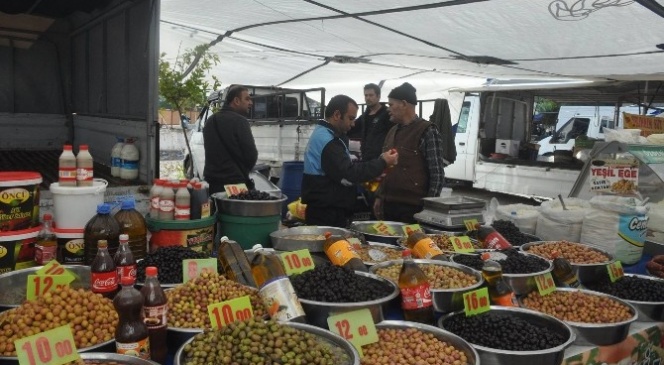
(330, 177)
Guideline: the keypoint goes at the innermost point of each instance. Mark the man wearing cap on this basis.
(420, 172)
(329, 181)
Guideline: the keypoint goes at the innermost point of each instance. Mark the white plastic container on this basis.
(116, 160)
(74, 206)
(130, 157)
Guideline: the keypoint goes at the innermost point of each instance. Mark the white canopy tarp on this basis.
(343, 44)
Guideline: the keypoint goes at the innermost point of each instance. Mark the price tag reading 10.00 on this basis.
(224, 313)
(40, 284)
(476, 301)
(615, 270)
(545, 284)
(462, 244)
(53, 347)
(235, 189)
(356, 326)
(297, 262)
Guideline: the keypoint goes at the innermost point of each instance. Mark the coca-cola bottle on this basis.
(103, 274)
(124, 259)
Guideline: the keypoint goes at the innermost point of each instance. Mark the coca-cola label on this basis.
(166, 205)
(495, 240)
(127, 270)
(416, 297)
(104, 282)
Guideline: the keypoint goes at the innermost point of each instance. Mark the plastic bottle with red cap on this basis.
(131, 334)
(416, 301)
(67, 167)
(47, 244)
(103, 274)
(84, 166)
(124, 260)
(155, 313)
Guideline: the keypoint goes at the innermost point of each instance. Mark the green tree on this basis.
(549, 109)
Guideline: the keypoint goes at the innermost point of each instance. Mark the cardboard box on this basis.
(508, 147)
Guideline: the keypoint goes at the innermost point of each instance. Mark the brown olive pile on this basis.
(577, 306)
(372, 254)
(91, 317)
(261, 342)
(440, 277)
(188, 302)
(576, 253)
(411, 346)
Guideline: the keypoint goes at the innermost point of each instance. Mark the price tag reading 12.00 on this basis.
(40, 284)
(224, 313)
(235, 189)
(356, 326)
(462, 244)
(615, 270)
(476, 301)
(545, 284)
(191, 268)
(384, 229)
(52, 347)
(297, 262)
(470, 224)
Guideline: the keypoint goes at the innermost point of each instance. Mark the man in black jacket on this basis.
(230, 150)
(330, 177)
(372, 126)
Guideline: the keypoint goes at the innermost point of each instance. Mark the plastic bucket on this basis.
(17, 249)
(248, 231)
(19, 200)
(290, 182)
(70, 246)
(196, 234)
(74, 206)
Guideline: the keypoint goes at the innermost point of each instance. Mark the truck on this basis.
(79, 73)
(494, 127)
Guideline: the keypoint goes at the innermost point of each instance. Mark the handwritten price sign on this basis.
(224, 313)
(615, 270)
(476, 302)
(545, 284)
(53, 347)
(38, 285)
(235, 189)
(462, 244)
(297, 262)
(356, 326)
(470, 224)
(55, 268)
(384, 229)
(354, 242)
(411, 228)
(191, 268)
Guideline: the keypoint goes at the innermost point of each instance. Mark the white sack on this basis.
(554, 223)
(522, 215)
(617, 224)
(655, 139)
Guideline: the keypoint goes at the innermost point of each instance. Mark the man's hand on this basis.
(378, 208)
(390, 157)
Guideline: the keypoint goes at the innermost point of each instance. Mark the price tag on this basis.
(615, 270)
(40, 284)
(462, 244)
(224, 313)
(52, 347)
(470, 224)
(191, 268)
(55, 268)
(545, 284)
(476, 302)
(411, 228)
(234, 189)
(356, 326)
(354, 242)
(383, 228)
(297, 262)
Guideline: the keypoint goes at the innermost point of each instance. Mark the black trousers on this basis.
(399, 212)
(327, 216)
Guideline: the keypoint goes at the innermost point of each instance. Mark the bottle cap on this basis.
(124, 237)
(555, 254)
(128, 204)
(225, 238)
(83, 147)
(328, 235)
(104, 208)
(486, 256)
(48, 217)
(257, 247)
(102, 244)
(151, 271)
(127, 280)
(405, 253)
(68, 147)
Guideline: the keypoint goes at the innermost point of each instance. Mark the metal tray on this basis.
(280, 240)
(450, 204)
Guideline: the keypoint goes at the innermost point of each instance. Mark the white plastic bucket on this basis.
(74, 206)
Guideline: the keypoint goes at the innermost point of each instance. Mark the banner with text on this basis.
(647, 125)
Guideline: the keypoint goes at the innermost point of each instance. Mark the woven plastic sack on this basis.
(554, 223)
(617, 224)
(522, 215)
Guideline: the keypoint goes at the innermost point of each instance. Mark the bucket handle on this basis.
(102, 187)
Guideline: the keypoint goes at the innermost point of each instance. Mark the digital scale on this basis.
(450, 212)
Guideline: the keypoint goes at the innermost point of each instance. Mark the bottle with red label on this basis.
(47, 244)
(341, 253)
(84, 166)
(182, 203)
(155, 192)
(500, 292)
(167, 202)
(155, 314)
(103, 274)
(124, 260)
(131, 334)
(490, 238)
(423, 247)
(67, 167)
(415, 289)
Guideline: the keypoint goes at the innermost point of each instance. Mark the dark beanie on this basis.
(404, 92)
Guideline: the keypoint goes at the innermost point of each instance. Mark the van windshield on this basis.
(574, 128)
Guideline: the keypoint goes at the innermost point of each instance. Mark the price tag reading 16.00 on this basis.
(297, 262)
(224, 313)
(53, 347)
(476, 301)
(356, 326)
(615, 270)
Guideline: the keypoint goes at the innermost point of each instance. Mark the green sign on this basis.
(648, 153)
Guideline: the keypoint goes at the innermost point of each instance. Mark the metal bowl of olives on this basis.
(346, 353)
(309, 237)
(374, 253)
(249, 208)
(14, 284)
(586, 272)
(366, 228)
(650, 310)
(106, 357)
(444, 300)
(495, 356)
